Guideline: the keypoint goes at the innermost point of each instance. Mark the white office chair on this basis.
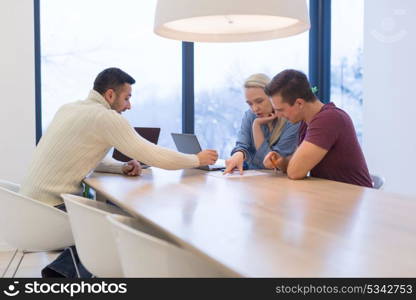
(93, 236)
(31, 225)
(377, 181)
(144, 255)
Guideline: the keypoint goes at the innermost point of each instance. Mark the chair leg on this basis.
(13, 264)
(10, 262)
(20, 262)
(74, 261)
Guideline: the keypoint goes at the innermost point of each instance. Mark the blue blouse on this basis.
(285, 145)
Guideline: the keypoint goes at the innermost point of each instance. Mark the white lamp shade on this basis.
(230, 20)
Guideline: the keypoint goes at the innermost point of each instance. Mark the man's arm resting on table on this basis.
(306, 156)
(110, 165)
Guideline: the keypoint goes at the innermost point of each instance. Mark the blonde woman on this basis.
(262, 130)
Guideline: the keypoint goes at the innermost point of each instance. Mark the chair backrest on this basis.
(31, 225)
(378, 181)
(11, 186)
(145, 255)
(93, 236)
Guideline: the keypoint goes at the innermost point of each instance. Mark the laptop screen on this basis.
(149, 133)
(186, 143)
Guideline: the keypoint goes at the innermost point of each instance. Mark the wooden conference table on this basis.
(270, 226)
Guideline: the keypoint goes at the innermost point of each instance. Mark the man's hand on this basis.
(234, 162)
(207, 157)
(274, 161)
(132, 168)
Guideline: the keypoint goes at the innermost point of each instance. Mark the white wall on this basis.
(17, 87)
(390, 92)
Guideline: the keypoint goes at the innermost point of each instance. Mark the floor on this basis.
(17, 264)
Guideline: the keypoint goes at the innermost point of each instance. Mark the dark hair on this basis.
(291, 85)
(111, 78)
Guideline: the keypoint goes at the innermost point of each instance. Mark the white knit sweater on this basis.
(78, 139)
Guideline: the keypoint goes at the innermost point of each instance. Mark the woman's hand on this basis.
(265, 120)
(234, 162)
(258, 135)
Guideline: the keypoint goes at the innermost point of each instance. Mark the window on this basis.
(81, 38)
(220, 71)
(347, 59)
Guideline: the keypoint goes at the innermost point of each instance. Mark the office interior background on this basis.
(372, 78)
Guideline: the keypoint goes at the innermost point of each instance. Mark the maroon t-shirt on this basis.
(332, 129)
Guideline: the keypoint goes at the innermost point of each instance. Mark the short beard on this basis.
(113, 105)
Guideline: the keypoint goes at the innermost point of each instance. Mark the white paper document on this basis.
(236, 174)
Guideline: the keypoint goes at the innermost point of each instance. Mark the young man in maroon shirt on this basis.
(328, 146)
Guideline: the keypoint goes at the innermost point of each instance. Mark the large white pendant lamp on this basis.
(230, 20)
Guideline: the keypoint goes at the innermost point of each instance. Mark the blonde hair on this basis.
(260, 80)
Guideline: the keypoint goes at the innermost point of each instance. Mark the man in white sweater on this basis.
(81, 134)
(77, 140)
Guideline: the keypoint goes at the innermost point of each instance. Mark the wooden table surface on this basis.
(270, 226)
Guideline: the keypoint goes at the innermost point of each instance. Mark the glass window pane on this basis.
(81, 38)
(346, 59)
(220, 71)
